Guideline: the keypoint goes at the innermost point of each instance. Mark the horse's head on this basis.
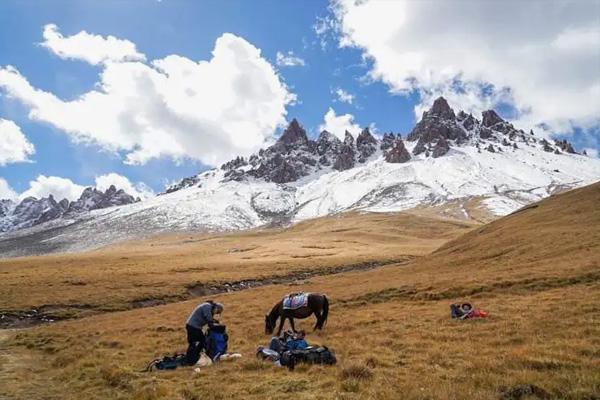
(269, 325)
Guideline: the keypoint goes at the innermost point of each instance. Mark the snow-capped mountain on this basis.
(446, 158)
(32, 211)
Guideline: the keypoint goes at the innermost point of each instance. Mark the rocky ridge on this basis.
(295, 156)
(32, 211)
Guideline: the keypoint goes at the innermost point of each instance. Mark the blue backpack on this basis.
(216, 342)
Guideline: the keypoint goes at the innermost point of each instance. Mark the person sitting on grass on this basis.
(466, 311)
(202, 315)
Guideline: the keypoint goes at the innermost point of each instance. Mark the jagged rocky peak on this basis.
(32, 211)
(346, 156)
(440, 108)
(185, 182)
(491, 118)
(565, 146)
(235, 163)
(94, 199)
(6, 206)
(366, 145)
(293, 134)
(398, 152)
(348, 139)
(467, 120)
(326, 142)
(438, 123)
(328, 147)
(387, 141)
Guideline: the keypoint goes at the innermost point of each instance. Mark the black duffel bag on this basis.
(310, 355)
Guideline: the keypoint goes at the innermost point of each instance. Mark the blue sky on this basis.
(360, 67)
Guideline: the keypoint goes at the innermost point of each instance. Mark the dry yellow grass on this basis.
(161, 268)
(536, 272)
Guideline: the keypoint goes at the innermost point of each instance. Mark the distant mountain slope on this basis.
(32, 211)
(563, 228)
(447, 158)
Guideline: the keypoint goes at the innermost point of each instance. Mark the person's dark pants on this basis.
(196, 343)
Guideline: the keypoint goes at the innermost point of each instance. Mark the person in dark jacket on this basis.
(202, 315)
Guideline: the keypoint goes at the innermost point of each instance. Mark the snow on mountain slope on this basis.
(445, 158)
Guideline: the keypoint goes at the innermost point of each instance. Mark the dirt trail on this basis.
(48, 313)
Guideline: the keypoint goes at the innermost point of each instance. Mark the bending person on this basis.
(202, 315)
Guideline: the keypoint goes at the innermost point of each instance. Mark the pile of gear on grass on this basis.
(291, 349)
(466, 311)
(287, 350)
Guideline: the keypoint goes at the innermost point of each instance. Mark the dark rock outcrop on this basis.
(565, 146)
(366, 145)
(490, 118)
(6, 206)
(345, 159)
(290, 158)
(440, 108)
(235, 163)
(31, 211)
(387, 141)
(94, 199)
(546, 146)
(294, 134)
(185, 182)
(328, 147)
(437, 123)
(440, 148)
(398, 153)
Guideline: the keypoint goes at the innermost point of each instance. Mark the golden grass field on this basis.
(537, 272)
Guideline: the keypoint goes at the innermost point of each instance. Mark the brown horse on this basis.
(317, 304)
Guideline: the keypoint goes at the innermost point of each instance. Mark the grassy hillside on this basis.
(535, 271)
(162, 269)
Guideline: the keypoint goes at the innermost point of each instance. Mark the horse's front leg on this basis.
(318, 316)
(292, 324)
(281, 322)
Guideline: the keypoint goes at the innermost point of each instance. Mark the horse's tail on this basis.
(325, 312)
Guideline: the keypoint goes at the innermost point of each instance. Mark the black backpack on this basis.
(310, 355)
(166, 363)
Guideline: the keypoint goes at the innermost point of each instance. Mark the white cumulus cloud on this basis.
(138, 189)
(173, 107)
(339, 124)
(60, 188)
(14, 146)
(344, 96)
(541, 57)
(7, 192)
(289, 60)
(94, 49)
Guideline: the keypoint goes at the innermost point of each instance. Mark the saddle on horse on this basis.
(294, 301)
